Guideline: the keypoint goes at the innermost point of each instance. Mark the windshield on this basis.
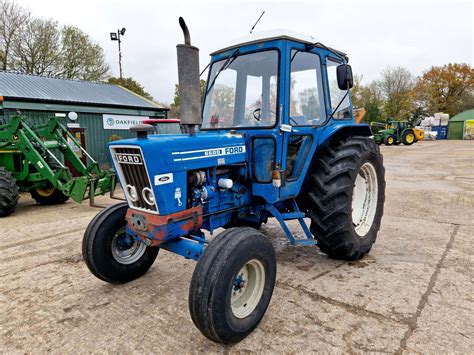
(244, 93)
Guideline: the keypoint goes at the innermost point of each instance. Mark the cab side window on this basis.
(344, 111)
(306, 108)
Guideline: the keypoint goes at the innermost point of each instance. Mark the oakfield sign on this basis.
(121, 121)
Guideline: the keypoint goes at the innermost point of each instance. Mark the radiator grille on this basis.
(132, 171)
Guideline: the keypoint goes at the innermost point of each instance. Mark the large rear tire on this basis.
(346, 197)
(9, 194)
(232, 285)
(109, 253)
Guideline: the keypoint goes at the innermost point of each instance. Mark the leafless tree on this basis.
(12, 18)
(396, 86)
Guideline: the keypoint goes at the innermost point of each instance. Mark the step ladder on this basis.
(295, 214)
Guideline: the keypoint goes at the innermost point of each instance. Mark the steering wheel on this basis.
(256, 113)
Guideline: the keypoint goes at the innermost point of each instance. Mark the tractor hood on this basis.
(166, 160)
(175, 152)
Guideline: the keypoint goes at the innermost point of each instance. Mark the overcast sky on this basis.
(416, 34)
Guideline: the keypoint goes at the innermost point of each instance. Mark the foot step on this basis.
(292, 215)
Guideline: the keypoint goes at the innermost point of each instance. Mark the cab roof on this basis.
(264, 36)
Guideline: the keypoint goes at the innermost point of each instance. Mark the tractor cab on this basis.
(281, 90)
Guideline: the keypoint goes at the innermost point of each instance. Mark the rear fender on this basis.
(329, 136)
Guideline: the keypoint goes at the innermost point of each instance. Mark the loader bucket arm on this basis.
(37, 143)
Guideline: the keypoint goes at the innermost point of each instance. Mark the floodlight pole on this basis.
(120, 53)
(117, 37)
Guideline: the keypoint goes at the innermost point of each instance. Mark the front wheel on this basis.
(345, 200)
(232, 284)
(112, 255)
(389, 140)
(48, 196)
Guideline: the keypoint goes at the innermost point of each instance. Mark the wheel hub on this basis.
(247, 288)
(125, 249)
(364, 199)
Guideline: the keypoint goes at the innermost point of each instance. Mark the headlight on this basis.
(132, 193)
(148, 196)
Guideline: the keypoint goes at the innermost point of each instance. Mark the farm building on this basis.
(461, 125)
(105, 112)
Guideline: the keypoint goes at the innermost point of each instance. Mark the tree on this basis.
(132, 85)
(80, 57)
(37, 47)
(396, 86)
(448, 88)
(174, 107)
(368, 97)
(12, 20)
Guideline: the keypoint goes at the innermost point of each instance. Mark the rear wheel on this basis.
(8, 193)
(232, 284)
(346, 198)
(408, 137)
(112, 255)
(48, 196)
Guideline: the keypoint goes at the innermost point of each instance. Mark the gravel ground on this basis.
(412, 293)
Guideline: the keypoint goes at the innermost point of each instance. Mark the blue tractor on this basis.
(274, 137)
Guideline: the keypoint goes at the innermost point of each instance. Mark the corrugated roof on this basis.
(463, 116)
(25, 86)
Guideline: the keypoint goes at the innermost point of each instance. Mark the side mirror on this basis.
(344, 77)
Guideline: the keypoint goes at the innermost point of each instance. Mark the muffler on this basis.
(188, 79)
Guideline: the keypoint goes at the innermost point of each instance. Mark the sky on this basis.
(415, 34)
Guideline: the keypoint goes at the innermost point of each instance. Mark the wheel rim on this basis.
(364, 199)
(247, 288)
(45, 192)
(390, 140)
(125, 249)
(410, 138)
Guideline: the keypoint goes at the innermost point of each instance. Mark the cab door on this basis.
(305, 112)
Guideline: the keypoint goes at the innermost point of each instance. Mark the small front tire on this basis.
(48, 196)
(232, 285)
(389, 140)
(109, 253)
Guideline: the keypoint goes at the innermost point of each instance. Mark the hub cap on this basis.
(125, 249)
(364, 199)
(247, 288)
(45, 192)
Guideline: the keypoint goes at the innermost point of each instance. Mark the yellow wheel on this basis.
(389, 140)
(45, 192)
(48, 196)
(408, 137)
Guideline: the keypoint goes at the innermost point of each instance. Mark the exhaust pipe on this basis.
(188, 79)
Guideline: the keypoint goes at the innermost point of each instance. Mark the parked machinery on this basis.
(276, 138)
(32, 159)
(395, 132)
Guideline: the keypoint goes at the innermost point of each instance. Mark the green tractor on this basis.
(33, 159)
(394, 132)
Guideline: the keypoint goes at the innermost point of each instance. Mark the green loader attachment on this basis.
(33, 159)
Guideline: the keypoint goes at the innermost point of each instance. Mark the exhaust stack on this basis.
(188, 79)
